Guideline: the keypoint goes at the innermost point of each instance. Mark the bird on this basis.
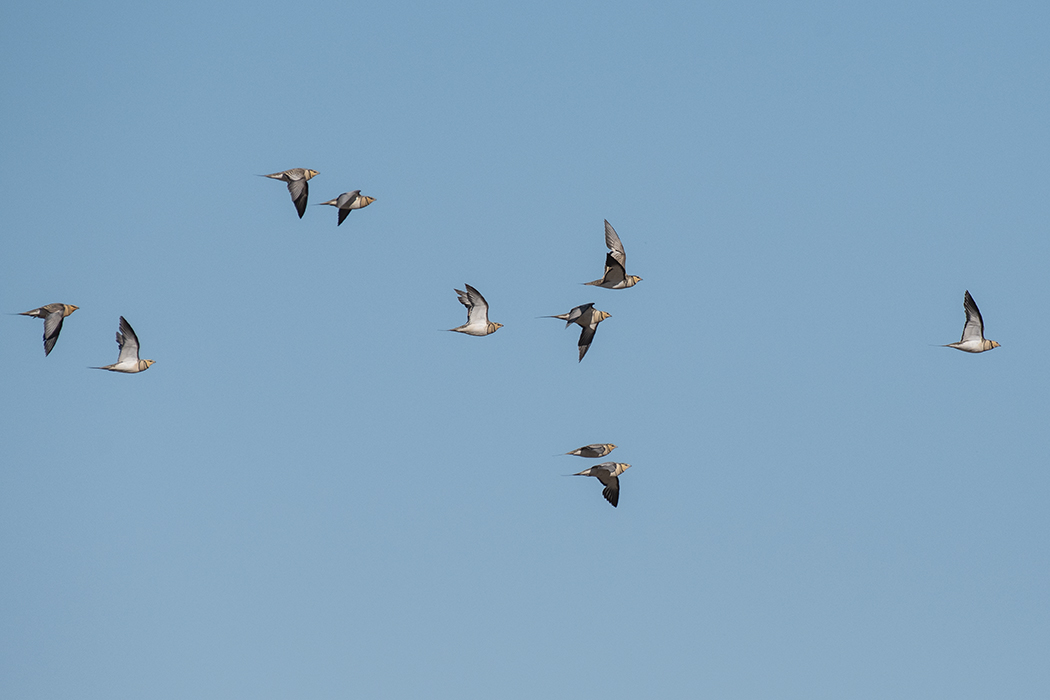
(973, 339)
(296, 179)
(607, 473)
(128, 361)
(347, 202)
(588, 318)
(593, 451)
(53, 315)
(615, 276)
(477, 314)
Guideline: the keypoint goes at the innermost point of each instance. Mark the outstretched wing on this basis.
(612, 242)
(612, 491)
(52, 327)
(477, 307)
(974, 328)
(128, 342)
(300, 191)
(586, 336)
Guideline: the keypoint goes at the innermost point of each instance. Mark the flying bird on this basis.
(128, 361)
(296, 179)
(53, 315)
(588, 318)
(973, 332)
(607, 473)
(347, 202)
(593, 451)
(615, 276)
(477, 314)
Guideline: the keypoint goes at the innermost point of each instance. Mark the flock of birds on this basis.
(478, 323)
(128, 360)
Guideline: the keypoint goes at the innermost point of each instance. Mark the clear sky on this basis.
(317, 492)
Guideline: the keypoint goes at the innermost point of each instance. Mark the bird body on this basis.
(53, 315)
(128, 361)
(477, 314)
(588, 318)
(615, 276)
(296, 179)
(593, 451)
(607, 473)
(973, 339)
(347, 202)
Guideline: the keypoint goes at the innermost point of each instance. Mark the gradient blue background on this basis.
(317, 492)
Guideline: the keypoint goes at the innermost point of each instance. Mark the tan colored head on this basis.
(365, 201)
(995, 344)
(496, 326)
(634, 279)
(311, 173)
(69, 309)
(602, 315)
(149, 363)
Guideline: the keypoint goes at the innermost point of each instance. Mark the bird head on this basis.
(602, 315)
(635, 279)
(311, 173)
(497, 326)
(69, 309)
(149, 363)
(995, 344)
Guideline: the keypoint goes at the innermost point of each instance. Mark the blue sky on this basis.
(317, 492)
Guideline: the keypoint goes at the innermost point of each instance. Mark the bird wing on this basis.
(586, 336)
(300, 190)
(611, 490)
(343, 213)
(575, 315)
(128, 342)
(347, 199)
(477, 307)
(612, 242)
(52, 327)
(974, 328)
(615, 274)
